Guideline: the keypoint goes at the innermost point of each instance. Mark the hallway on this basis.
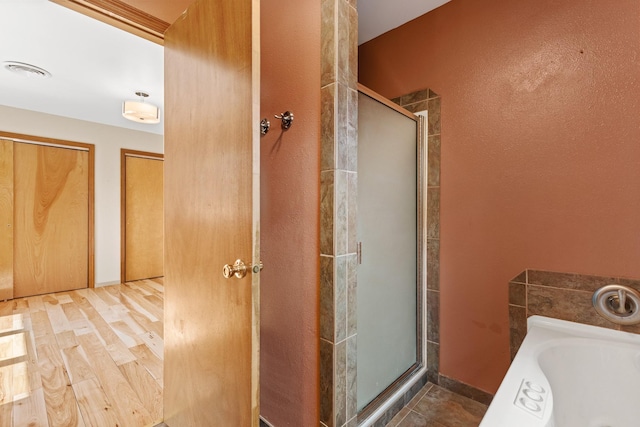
(91, 357)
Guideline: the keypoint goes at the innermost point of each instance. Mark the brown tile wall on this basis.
(338, 186)
(465, 390)
(422, 100)
(565, 296)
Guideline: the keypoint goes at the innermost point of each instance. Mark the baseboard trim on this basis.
(465, 390)
(99, 285)
(263, 423)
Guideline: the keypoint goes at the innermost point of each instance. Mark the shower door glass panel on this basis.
(388, 232)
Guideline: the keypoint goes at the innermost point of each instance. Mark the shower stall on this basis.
(391, 272)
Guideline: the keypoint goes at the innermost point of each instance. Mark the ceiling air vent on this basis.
(27, 70)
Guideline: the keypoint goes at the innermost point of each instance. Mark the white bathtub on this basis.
(570, 375)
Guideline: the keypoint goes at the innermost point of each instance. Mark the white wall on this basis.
(108, 141)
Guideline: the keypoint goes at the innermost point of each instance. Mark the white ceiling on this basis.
(95, 66)
(376, 17)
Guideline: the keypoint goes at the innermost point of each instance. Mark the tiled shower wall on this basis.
(417, 101)
(563, 296)
(338, 191)
(428, 100)
(338, 186)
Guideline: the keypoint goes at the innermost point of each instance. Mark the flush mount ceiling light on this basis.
(140, 111)
(26, 70)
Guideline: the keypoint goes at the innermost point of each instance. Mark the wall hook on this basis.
(287, 119)
(264, 126)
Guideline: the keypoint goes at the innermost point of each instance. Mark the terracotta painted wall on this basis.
(540, 151)
(290, 197)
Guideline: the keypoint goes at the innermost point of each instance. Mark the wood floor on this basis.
(91, 357)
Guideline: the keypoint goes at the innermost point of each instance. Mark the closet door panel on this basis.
(144, 218)
(51, 246)
(6, 219)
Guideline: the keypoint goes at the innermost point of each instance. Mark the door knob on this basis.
(238, 269)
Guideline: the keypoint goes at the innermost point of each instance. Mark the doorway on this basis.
(212, 214)
(142, 215)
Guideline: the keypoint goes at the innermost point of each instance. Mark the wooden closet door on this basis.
(144, 218)
(51, 236)
(6, 219)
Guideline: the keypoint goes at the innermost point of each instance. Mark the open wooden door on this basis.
(212, 215)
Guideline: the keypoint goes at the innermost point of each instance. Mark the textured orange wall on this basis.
(290, 197)
(540, 151)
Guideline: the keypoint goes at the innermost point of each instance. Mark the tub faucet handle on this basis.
(618, 303)
(622, 301)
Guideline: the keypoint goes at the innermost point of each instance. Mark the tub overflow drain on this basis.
(617, 303)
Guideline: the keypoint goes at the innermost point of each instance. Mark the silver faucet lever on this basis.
(622, 301)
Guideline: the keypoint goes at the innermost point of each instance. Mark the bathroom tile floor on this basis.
(435, 406)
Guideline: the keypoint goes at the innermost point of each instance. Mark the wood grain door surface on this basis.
(51, 233)
(6, 219)
(143, 218)
(212, 214)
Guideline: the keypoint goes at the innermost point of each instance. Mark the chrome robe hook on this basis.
(264, 126)
(287, 119)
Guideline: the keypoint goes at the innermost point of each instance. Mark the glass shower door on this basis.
(387, 343)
